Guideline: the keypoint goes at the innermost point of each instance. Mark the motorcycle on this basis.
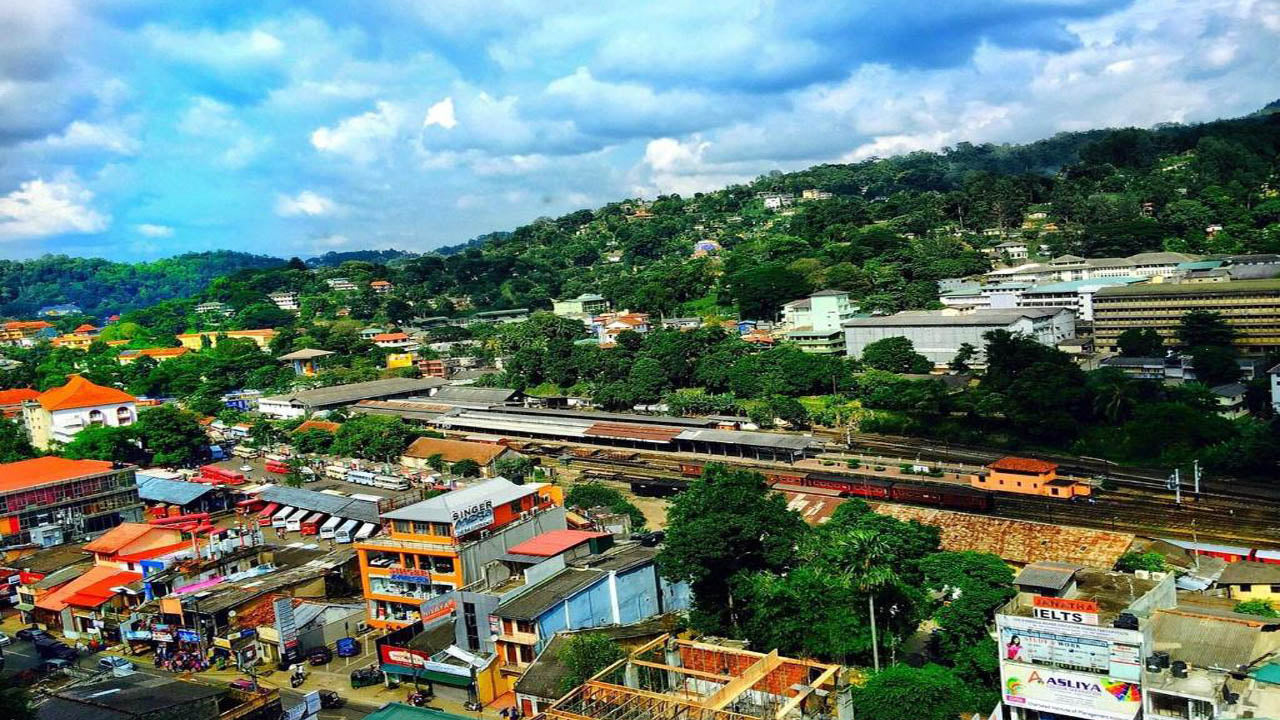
(419, 698)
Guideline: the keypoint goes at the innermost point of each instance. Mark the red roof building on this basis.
(556, 542)
(1023, 465)
(11, 400)
(130, 543)
(93, 494)
(90, 590)
(80, 393)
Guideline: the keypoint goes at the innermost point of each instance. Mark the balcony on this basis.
(519, 638)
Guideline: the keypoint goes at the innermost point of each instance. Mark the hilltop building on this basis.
(938, 334)
(1250, 307)
(815, 321)
(57, 415)
(584, 307)
(198, 341)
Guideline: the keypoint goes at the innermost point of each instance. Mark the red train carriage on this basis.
(857, 486)
(688, 469)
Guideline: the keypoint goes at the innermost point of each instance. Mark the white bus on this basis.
(335, 472)
(390, 482)
(366, 531)
(330, 527)
(282, 515)
(346, 531)
(244, 451)
(294, 522)
(360, 477)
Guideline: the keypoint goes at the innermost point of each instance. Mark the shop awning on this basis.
(450, 679)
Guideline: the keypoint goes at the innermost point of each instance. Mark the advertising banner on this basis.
(1110, 651)
(404, 657)
(1079, 612)
(1072, 694)
(472, 518)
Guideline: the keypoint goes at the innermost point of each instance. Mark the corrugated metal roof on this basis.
(1247, 572)
(354, 392)
(627, 431)
(440, 508)
(554, 542)
(471, 394)
(752, 439)
(344, 507)
(535, 601)
(172, 492)
(1205, 641)
(1047, 574)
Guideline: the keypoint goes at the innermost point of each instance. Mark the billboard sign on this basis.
(1079, 612)
(407, 658)
(1110, 651)
(412, 575)
(472, 518)
(1071, 694)
(286, 627)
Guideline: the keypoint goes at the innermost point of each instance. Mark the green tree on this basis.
(14, 444)
(372, 437)
(516, 468)
(964, 356)
(974, 585)
(1140, 342)
(1215, 364)
(593, 494)
(15, 702)
(105, 442)
(466, 468)
(896, 355)
(1263, 608)
(727, 522)
(313, 441)
(931, 692)
(1133, 560)
(294, 477)
(1203, 328)
(586, 654)
(172, 436)
(435, 461)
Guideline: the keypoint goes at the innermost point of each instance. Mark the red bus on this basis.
(268, 512)
(277, 466)
(311, 525)
(218, 476)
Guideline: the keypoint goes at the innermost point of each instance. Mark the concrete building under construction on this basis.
(688, 680)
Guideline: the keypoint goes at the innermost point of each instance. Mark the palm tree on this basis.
(864, 561)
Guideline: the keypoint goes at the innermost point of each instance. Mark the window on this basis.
(441, 565)
(516, 505)
(1245, 587)
(96, 416)
(400, 525)
(442, 529)
(1275, 588)
(421, 528)
(124, 415)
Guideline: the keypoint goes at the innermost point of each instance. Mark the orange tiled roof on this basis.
(118, 537)
(89, 590)
(388, 337)
(1026, 465)
(80, 393)
(157, 352)
(451, 451)
(325, 425)
(43, 470)
(27, 325)
(18, 395)
(379, 283)
(85, 328)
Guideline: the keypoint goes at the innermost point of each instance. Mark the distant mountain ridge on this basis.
(379, 257)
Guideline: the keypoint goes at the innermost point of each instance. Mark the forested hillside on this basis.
(102, 287)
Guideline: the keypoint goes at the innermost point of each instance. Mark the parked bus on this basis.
(214, 475)
(390, 482)
(277, 466)
(366, 531)
(293, 523)
(311, 526)
(244, 451)
(267, 513)
(346, 531)
(278, 520)
(330, 527)
(360, 477)
(335, 472)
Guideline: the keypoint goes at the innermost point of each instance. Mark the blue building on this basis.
(616, 587)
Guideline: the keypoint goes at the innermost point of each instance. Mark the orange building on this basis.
(1028, 477)
(439, 545)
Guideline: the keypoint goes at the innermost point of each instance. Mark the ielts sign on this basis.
(1079, 612)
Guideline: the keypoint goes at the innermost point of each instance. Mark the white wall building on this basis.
(284, 300)
(1066, 268)
(938, 334)
(58, 414)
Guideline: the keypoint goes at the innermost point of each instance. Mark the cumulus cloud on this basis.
(154, 231)
(306, 203)
(40, 208)
(235, 49)
(441, 114)
(363, 137)
(81, 135)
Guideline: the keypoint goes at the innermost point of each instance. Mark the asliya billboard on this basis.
(1079, 695)
(1115, 652)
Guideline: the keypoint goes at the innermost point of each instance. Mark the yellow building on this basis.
(1250, 307)
(400, 360)
(128, 357)
(1251, 580)
(197, 341)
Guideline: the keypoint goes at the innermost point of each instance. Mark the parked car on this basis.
(364, 677)
(113, 663)
(319, 655)
(330, 699)
(5, 640)
(54, 665)
(241, 684)
(30, 633)
(347, 647)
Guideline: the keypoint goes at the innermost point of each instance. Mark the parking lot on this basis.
(258, 474)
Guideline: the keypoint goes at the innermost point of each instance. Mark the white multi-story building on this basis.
(1066, 268)
(214, 308)
(57, 415)
(340, 284)
(938, 334)
(814, 322)
(284, 300)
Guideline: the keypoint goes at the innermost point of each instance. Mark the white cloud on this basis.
(232, 144)
(83, 135)
(154, 231)
(306, 203)
(39, 208)
(364, 137)
(228, 50)
(682, 167)
(441, 114)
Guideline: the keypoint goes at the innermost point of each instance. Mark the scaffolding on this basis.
(672, 679)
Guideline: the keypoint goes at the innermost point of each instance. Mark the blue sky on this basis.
(134, 130)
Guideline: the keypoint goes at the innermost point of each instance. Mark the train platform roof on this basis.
(600, 416)
(776, 441)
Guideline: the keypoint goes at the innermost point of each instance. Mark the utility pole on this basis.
(875, 645)
(1196, 467)
(1177, 486)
